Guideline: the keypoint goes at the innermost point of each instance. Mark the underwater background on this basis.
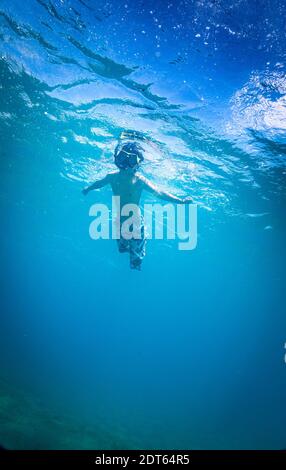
(189, 353)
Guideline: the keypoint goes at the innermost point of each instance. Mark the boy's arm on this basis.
(152, 188)
(97, 184)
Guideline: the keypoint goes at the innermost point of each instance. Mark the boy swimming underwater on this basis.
(128, 184)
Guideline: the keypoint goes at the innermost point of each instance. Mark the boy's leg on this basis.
(137, 250)
(122, 243)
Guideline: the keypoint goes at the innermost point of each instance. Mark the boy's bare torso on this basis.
(127, 185)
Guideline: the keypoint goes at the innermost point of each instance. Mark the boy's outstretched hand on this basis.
(85, 191)
(187, 200)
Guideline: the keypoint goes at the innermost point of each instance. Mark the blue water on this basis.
(189, 353)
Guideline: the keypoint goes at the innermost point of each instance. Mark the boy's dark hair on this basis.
(128, 155)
